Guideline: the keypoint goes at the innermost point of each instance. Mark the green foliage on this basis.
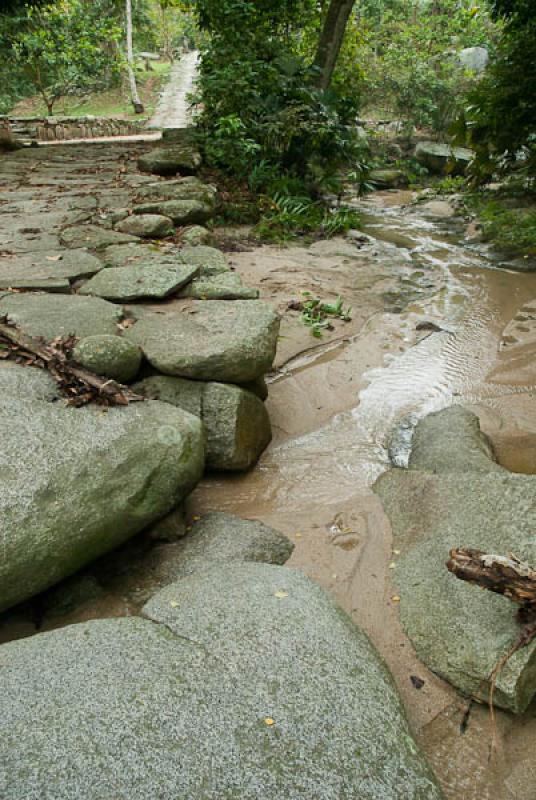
(285, 216)
(499, 121)
(508, 221)
(316, 314)
(66, 47)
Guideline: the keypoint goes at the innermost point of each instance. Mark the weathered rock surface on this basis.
(147, 226)
(455, 495)
(388, 178)
(51, 271)
(50, 315)
(474, 59)
(212, 697)
(225, 286)
(196, 235)
(93, 237)
(110, 356)
(227, 341)
(77, 482)
(130, 283)
(210, 260)
(182, 212)
(181, 158)
(124, 255)
(237, 425)
(441, 159)
(189, 188)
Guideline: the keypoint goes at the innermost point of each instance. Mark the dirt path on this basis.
(172, 110)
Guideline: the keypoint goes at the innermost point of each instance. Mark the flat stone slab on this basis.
(179, 158)
(228, 341)
(49, 315)
(123, 284)
(246, 682)
(210, 260)
(182, 212)
(77, 482)
(51, 271)
(123, 255)
(180, 189)
(439, 158)
(455, 495)
(226, 286)
(93, 237)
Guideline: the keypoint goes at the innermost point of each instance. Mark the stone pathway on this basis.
(173, 110)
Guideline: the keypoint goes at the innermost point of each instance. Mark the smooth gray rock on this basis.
(441, 159)
(176, 706)
(77, 482)
(110, 356)
(93, 237)
(455, 495)
(50, 315)
(147, 226)
(237, 426)
(179, 158)
(197, 235)
(236, 423)
(182, 212)
(388, 178)
(124, 255)
(123, 284)
(51, 271)
(210, 260)
(226, 286)
(228, 341)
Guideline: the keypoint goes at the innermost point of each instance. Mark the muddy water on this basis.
(353, 402)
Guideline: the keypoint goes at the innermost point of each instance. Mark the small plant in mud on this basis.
(316, 314)
(285, 216)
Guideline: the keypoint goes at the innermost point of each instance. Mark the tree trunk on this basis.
(136, 102)
(331, 38)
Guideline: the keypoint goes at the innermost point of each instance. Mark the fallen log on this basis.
(77, 384)
(505, 575)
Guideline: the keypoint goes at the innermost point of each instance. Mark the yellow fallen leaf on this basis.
(174, 604)
(392, 565)
(280, 594)
(396, 552)
(395, 598)
(269, 721)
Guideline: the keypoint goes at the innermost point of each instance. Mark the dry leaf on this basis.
(281, 594)
(269, 721)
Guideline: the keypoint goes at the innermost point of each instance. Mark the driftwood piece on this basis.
(504, 575)
(77, 384)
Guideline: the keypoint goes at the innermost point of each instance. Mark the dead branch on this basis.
(501, 574)
(77, 384)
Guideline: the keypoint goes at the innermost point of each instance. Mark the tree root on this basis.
(77, 384)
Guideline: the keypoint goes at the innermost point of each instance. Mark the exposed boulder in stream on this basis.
(77, 482)
(212, 696)
(228, 341)
(442, 159)
(455, 495)
(237, 425)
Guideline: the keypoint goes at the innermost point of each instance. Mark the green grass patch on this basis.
(508, 221)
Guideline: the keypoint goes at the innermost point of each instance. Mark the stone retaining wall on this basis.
(47, 129)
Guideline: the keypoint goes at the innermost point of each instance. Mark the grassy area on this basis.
(111, 103)
(508, 220)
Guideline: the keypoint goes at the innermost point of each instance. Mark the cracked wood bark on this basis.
(500, 574)
(331, 38)
(78, 385)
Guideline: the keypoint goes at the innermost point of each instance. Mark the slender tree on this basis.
(331, 39)
(136, 102)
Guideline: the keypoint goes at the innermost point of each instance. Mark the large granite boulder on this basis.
(123, 284)
(474, 59)
(228, 341)
(244, 681)
(51, 315)
(178, 158)
(443, 159)
(76, 482)
(236, 423)
(455, 495)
